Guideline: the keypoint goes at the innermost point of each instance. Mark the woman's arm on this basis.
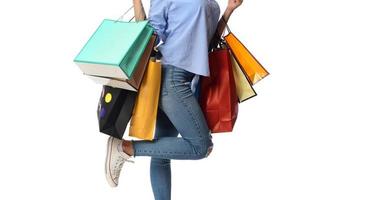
(139, 10)
(231, 6)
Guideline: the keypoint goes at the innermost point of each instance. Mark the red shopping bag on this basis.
(218, 98)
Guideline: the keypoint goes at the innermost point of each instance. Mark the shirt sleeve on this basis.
(158, 18)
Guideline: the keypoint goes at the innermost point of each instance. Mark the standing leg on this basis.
(160, 170)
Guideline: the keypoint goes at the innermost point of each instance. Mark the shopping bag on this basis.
(142, 125)
(132, 84)
(115, 48)
(218, 98)
(246, 60)
(244, 89)
(115, 110)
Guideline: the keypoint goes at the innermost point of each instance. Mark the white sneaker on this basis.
(114, 161)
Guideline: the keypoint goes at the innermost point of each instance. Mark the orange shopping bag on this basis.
(253, 69)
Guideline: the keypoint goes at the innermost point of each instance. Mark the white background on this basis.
(302, 137)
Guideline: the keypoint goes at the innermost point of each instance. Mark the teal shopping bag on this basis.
(114, 49)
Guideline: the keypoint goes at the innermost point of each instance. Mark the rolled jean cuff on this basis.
(133, 148)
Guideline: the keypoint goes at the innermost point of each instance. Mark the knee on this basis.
(209, 150)
(204, 149)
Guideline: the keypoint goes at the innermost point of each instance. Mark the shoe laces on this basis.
(117, 168)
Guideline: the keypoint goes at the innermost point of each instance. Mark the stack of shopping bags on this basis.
(233, 72)
(120, 56)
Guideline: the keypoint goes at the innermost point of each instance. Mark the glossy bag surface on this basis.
(115, 110)
(115, 48)
(218, 98)
(134, 82)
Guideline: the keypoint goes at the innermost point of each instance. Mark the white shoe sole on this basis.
(107, 163)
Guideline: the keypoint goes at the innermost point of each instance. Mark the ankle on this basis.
(127, 147)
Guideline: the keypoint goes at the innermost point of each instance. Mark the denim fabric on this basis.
(178, 112)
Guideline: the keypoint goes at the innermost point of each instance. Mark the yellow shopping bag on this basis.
(244, 89)
(246, 60)
(142, 124)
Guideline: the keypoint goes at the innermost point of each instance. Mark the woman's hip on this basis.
(176, 81)
(180, 105)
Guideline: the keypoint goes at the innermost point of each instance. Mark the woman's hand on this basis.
(233, 4)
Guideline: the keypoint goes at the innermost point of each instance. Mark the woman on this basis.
(184, 29)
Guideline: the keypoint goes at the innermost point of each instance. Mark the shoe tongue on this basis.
(125, 155)
(119, 147)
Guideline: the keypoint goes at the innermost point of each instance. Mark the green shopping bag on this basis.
(115, 48)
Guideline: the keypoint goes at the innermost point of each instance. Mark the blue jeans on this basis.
(178, 112)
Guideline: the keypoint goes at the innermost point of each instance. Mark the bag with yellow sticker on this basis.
(115, 110)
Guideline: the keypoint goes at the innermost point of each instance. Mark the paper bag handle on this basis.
(121, 17)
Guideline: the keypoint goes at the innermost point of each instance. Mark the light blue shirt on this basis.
(185, 27)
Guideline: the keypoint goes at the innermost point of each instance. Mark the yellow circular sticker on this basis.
(108, 97)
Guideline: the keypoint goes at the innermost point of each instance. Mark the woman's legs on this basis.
(160, 172)
(182, 109)
(180, 112)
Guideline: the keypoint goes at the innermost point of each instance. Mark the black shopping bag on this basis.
(115, 110)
